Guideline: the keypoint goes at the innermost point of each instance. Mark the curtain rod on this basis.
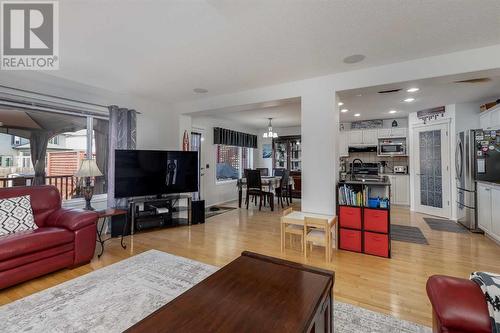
(53, 96)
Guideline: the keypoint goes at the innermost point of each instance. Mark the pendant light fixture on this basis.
(270, 133)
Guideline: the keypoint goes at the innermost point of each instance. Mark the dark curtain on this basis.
(101, 128)
(228, 137)
(38, 146)
(122, 135)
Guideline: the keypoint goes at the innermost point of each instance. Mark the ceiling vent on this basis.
(389, 91)
(478, 80)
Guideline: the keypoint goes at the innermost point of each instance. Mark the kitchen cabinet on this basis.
(355, 137)
(370, 137)
(396, 132)
(363, 138)
(488, 209)
(495, 211)
(400, 189)
(490, 119)
(343, 145)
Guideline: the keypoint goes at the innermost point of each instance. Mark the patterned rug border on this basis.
(59, 309)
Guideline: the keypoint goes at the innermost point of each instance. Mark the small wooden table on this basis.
(103, 215)
(253, 293)
(297, 218)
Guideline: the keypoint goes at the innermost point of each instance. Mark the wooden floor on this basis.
(394, 286)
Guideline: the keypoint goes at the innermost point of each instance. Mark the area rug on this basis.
(409, 234)
(221, 210)
(115, 297)
(444, 225)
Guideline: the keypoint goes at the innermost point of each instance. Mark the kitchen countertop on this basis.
(351, 179)
(488, 182)
(394, 174)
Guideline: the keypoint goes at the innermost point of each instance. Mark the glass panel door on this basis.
(432, 180)
(296, 155)
(280, 155)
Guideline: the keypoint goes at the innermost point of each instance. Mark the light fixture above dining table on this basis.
(270, 133)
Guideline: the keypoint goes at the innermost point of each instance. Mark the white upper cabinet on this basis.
(396, 132)
(355, 137)
(384, 133)
(363, 138)
(370, 137)
(343, 146)
(490, 119)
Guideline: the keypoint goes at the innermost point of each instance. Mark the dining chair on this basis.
(283, 190)
(263, 171)
(293, 230)
(278, 171)
(254, 187)
(318, 232)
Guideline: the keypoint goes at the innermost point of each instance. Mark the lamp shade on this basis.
(88, 168)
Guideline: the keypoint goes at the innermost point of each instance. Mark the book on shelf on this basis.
(348, 196)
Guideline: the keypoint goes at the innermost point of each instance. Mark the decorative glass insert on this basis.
(431, 178)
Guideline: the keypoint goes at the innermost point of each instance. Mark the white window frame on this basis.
(241, 168)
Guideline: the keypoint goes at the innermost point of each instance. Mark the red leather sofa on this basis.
(458, 305)
(64, 238)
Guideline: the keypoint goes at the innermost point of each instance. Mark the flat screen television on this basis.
(155, 172)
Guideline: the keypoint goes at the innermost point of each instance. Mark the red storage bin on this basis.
(376, 244)
(376, 220)
(350, 240)
(350, 217)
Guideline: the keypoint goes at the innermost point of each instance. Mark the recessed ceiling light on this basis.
(344, 110)
(393, 111)
(357, 114)
(340, 104)
(352, 59)
(413, 89)
(409, 99)
(200, 90)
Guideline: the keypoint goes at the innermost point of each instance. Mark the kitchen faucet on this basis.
(353, 167)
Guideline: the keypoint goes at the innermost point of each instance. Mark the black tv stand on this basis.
(158, 212)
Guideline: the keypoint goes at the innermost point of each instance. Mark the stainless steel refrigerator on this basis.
(465, 170)
(477, 158)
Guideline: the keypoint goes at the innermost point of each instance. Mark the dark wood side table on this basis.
(253, 293)
(103, 215)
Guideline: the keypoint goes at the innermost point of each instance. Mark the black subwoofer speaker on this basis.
(197, 211)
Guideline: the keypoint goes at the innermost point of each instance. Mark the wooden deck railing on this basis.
(66, 184)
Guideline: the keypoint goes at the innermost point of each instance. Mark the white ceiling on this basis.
(285, 113)
(433, 92)
(163, 49)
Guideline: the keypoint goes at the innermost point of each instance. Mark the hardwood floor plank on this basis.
(393, 286)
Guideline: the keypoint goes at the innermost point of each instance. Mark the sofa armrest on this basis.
(458, 304)
(71, 219)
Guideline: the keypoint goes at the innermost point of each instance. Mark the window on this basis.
(231, 161)
(6, 161)
(54, 140)
(16, 140)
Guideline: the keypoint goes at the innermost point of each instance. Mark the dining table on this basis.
(297, 218)
(271, 182)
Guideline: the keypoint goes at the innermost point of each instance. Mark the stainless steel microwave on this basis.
(392, 147)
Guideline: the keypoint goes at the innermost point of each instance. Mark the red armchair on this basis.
(64, 238)
(458, 306)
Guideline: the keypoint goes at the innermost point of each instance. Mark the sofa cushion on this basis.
(25, 242)
(45, 199)
(16, 215)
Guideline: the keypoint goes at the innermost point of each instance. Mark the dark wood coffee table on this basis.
(254, 293)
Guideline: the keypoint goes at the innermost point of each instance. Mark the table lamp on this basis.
(88, 169)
